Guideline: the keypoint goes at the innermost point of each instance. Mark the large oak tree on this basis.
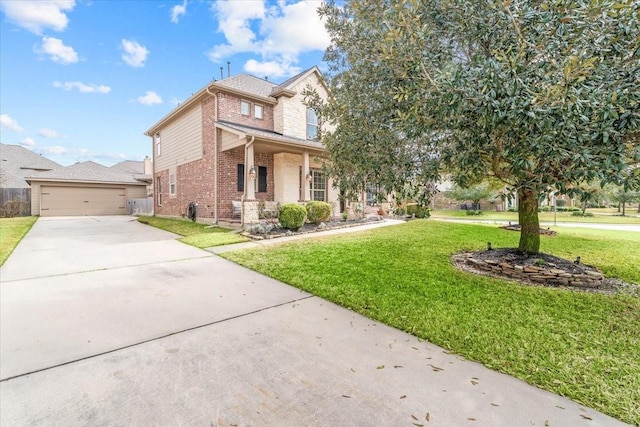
(538, 94)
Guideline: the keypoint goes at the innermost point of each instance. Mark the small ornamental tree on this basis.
(537, 94)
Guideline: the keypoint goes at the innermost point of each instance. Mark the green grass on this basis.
(601, 216)
(195, 234)
(581, 345)
(12, 230)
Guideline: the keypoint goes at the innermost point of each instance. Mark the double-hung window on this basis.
(318, 185)
(312, 124)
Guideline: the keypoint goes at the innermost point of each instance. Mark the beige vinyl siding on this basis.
(181, 140)
(35, 198)
(136, 192)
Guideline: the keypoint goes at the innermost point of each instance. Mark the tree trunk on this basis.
(624, 208)
(528, 219)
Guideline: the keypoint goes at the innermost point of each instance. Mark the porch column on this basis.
(251, 183)
(306, 190)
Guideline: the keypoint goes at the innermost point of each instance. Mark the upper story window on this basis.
(257, 111)
(157, 140)
(312, 124)
(245, 108)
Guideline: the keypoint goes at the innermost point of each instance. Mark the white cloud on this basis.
(274, 69)
(57, 51)
(278, 34)
(83, 88)
(177, 11)
(37, 16)
(134, 53)
(48, 133)
(9, 123)
(149, 98)
(55, 149)
(28, 143)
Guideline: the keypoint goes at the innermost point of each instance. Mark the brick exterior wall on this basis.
(229, 110)
(228, 178)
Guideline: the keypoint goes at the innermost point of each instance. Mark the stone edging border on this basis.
(546, 275)
(296, 233)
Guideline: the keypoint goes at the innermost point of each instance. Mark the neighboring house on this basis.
(16, 163)
(86, 188)
(240, 141)
(141, 170)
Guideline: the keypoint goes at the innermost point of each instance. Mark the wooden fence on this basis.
(140, 206)
(15, 202)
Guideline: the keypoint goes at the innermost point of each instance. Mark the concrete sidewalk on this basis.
(192, 339)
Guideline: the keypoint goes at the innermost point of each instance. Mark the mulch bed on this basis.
(514, 257)
(313, 228)
(543, 231)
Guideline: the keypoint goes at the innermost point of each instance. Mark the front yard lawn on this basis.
(12, 230)
(195, 234)
(582, 345)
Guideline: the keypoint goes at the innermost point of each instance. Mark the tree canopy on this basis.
(537, 94)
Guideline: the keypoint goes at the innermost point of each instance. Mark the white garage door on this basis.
(65, 201)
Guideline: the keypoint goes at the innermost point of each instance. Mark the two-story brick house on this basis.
(240, 140)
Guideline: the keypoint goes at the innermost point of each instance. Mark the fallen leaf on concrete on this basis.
(427, 417)
(348, 397)
(414, 417)
(397, 366)
(474, 382)
(585, 417)
(380, 367)
(403, 396)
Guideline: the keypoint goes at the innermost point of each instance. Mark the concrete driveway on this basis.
(105, 321)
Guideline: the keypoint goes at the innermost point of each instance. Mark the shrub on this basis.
(418, 211)
(545, 209)
(292, 216)
(473, 213)
(578, 213)
(318, 211)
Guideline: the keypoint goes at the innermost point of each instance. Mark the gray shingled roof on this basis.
(130, 166)
(271, 135)
(17, 162)
(248, 83)
(87, 172)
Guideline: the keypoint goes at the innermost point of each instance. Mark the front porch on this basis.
(259, 169)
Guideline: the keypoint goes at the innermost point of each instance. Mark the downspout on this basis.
(215, 160)
(246, 180)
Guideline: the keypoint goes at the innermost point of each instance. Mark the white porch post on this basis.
(306, 193)
(251, 183)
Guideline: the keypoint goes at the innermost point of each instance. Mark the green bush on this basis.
(579, 213)
(318, 211)
(473, 212)
(513, 210)
(292, 216)
(545, 209)
(418, 211)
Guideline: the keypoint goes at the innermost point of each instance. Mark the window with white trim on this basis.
(245, 108)
(157, 141)
(312, 124)
(258, 111)
(159, 190)
(318, 185)
(172, 184)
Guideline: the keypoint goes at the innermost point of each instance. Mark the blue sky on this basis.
(83, 80)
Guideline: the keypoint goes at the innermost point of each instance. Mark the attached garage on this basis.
(65, 201)
(83, 189)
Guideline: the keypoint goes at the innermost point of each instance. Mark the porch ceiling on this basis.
(234, 136)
